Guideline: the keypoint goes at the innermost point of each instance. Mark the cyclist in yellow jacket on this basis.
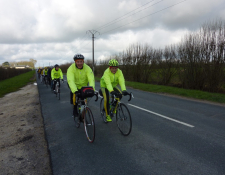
(56, 74)
(79, 74)
(109, 81)
(45, 73)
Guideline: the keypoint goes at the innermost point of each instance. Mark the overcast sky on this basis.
(52, 31)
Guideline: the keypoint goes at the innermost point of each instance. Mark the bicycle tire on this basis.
(58, 93)
(123, 119)
(89, 124)
(102, 111)
(76, 121)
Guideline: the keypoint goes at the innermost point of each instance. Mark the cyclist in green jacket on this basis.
(56, 74)
(109, 81)
(45, 73)
(79, 74)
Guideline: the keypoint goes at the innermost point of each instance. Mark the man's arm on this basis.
(107, 80)
(70, 80)
(61, 73)
(52, 74)
(91, 78)
(122, 81)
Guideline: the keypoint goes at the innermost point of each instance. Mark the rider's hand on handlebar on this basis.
(125, 93)
(77, 93)
(113, 93)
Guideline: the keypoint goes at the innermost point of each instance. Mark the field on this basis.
(15, 83)
(195, 94)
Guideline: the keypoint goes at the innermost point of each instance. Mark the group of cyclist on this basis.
(52, 74)
(80, 74)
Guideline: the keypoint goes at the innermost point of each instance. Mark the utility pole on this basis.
(93, 32)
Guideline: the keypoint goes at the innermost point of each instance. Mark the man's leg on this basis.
(54, 83)
(105, 94)
(118, 91)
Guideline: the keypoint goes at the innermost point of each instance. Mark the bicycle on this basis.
(85, 115)
(122, 113)
(57, 88)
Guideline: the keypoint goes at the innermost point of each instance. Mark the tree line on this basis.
(197, 62)
(31, 63)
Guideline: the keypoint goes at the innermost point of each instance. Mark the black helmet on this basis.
(78, 56)
(56, 65)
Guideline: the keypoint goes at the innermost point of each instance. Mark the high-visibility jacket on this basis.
(110, 80)
(45, 72)
(56, 74)
(42, 71)
(77, 78)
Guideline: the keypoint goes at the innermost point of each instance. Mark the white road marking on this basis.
(177, 121)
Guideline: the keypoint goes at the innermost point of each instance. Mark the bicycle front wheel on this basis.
(123, 119)
(89, 124)
(102, 111)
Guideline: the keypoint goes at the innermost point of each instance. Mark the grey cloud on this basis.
(54, 30)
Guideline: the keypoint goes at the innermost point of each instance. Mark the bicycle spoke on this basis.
(102, 111)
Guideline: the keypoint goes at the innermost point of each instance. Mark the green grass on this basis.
(15, 83)
(196, 94)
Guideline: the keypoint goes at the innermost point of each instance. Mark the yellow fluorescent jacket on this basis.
(110, 80)
(77, 78)
(56, 74)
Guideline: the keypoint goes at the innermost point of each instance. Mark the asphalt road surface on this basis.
(169, 136)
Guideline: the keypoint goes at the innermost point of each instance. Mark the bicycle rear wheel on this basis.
(76, 118)
(56, 91)
(102, 111)
(123, 119)
(89, 125)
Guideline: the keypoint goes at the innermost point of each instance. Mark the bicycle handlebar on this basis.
(95, 94)
(130, 94)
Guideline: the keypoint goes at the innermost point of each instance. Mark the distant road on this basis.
(169, 136)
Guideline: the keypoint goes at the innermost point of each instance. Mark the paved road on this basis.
(169, 136)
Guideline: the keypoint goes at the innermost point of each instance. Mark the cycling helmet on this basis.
(113, 63)
(78, 56)
(56, 65)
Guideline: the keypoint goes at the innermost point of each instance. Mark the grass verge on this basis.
(15, 83)
(196, 94)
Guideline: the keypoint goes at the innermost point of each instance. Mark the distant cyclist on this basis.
(79, 74)
(42, 76)
(49, 75)
(56, 74)
(39, 72)
(109, 81)
(45, 73)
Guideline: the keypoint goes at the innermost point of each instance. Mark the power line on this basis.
(124, 15)
(131, 15)
(78, 51)
(145, 16)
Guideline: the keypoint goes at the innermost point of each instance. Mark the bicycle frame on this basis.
(117, 100)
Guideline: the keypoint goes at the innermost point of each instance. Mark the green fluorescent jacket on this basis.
(110, 80)
(77, 78)
(56, 74)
